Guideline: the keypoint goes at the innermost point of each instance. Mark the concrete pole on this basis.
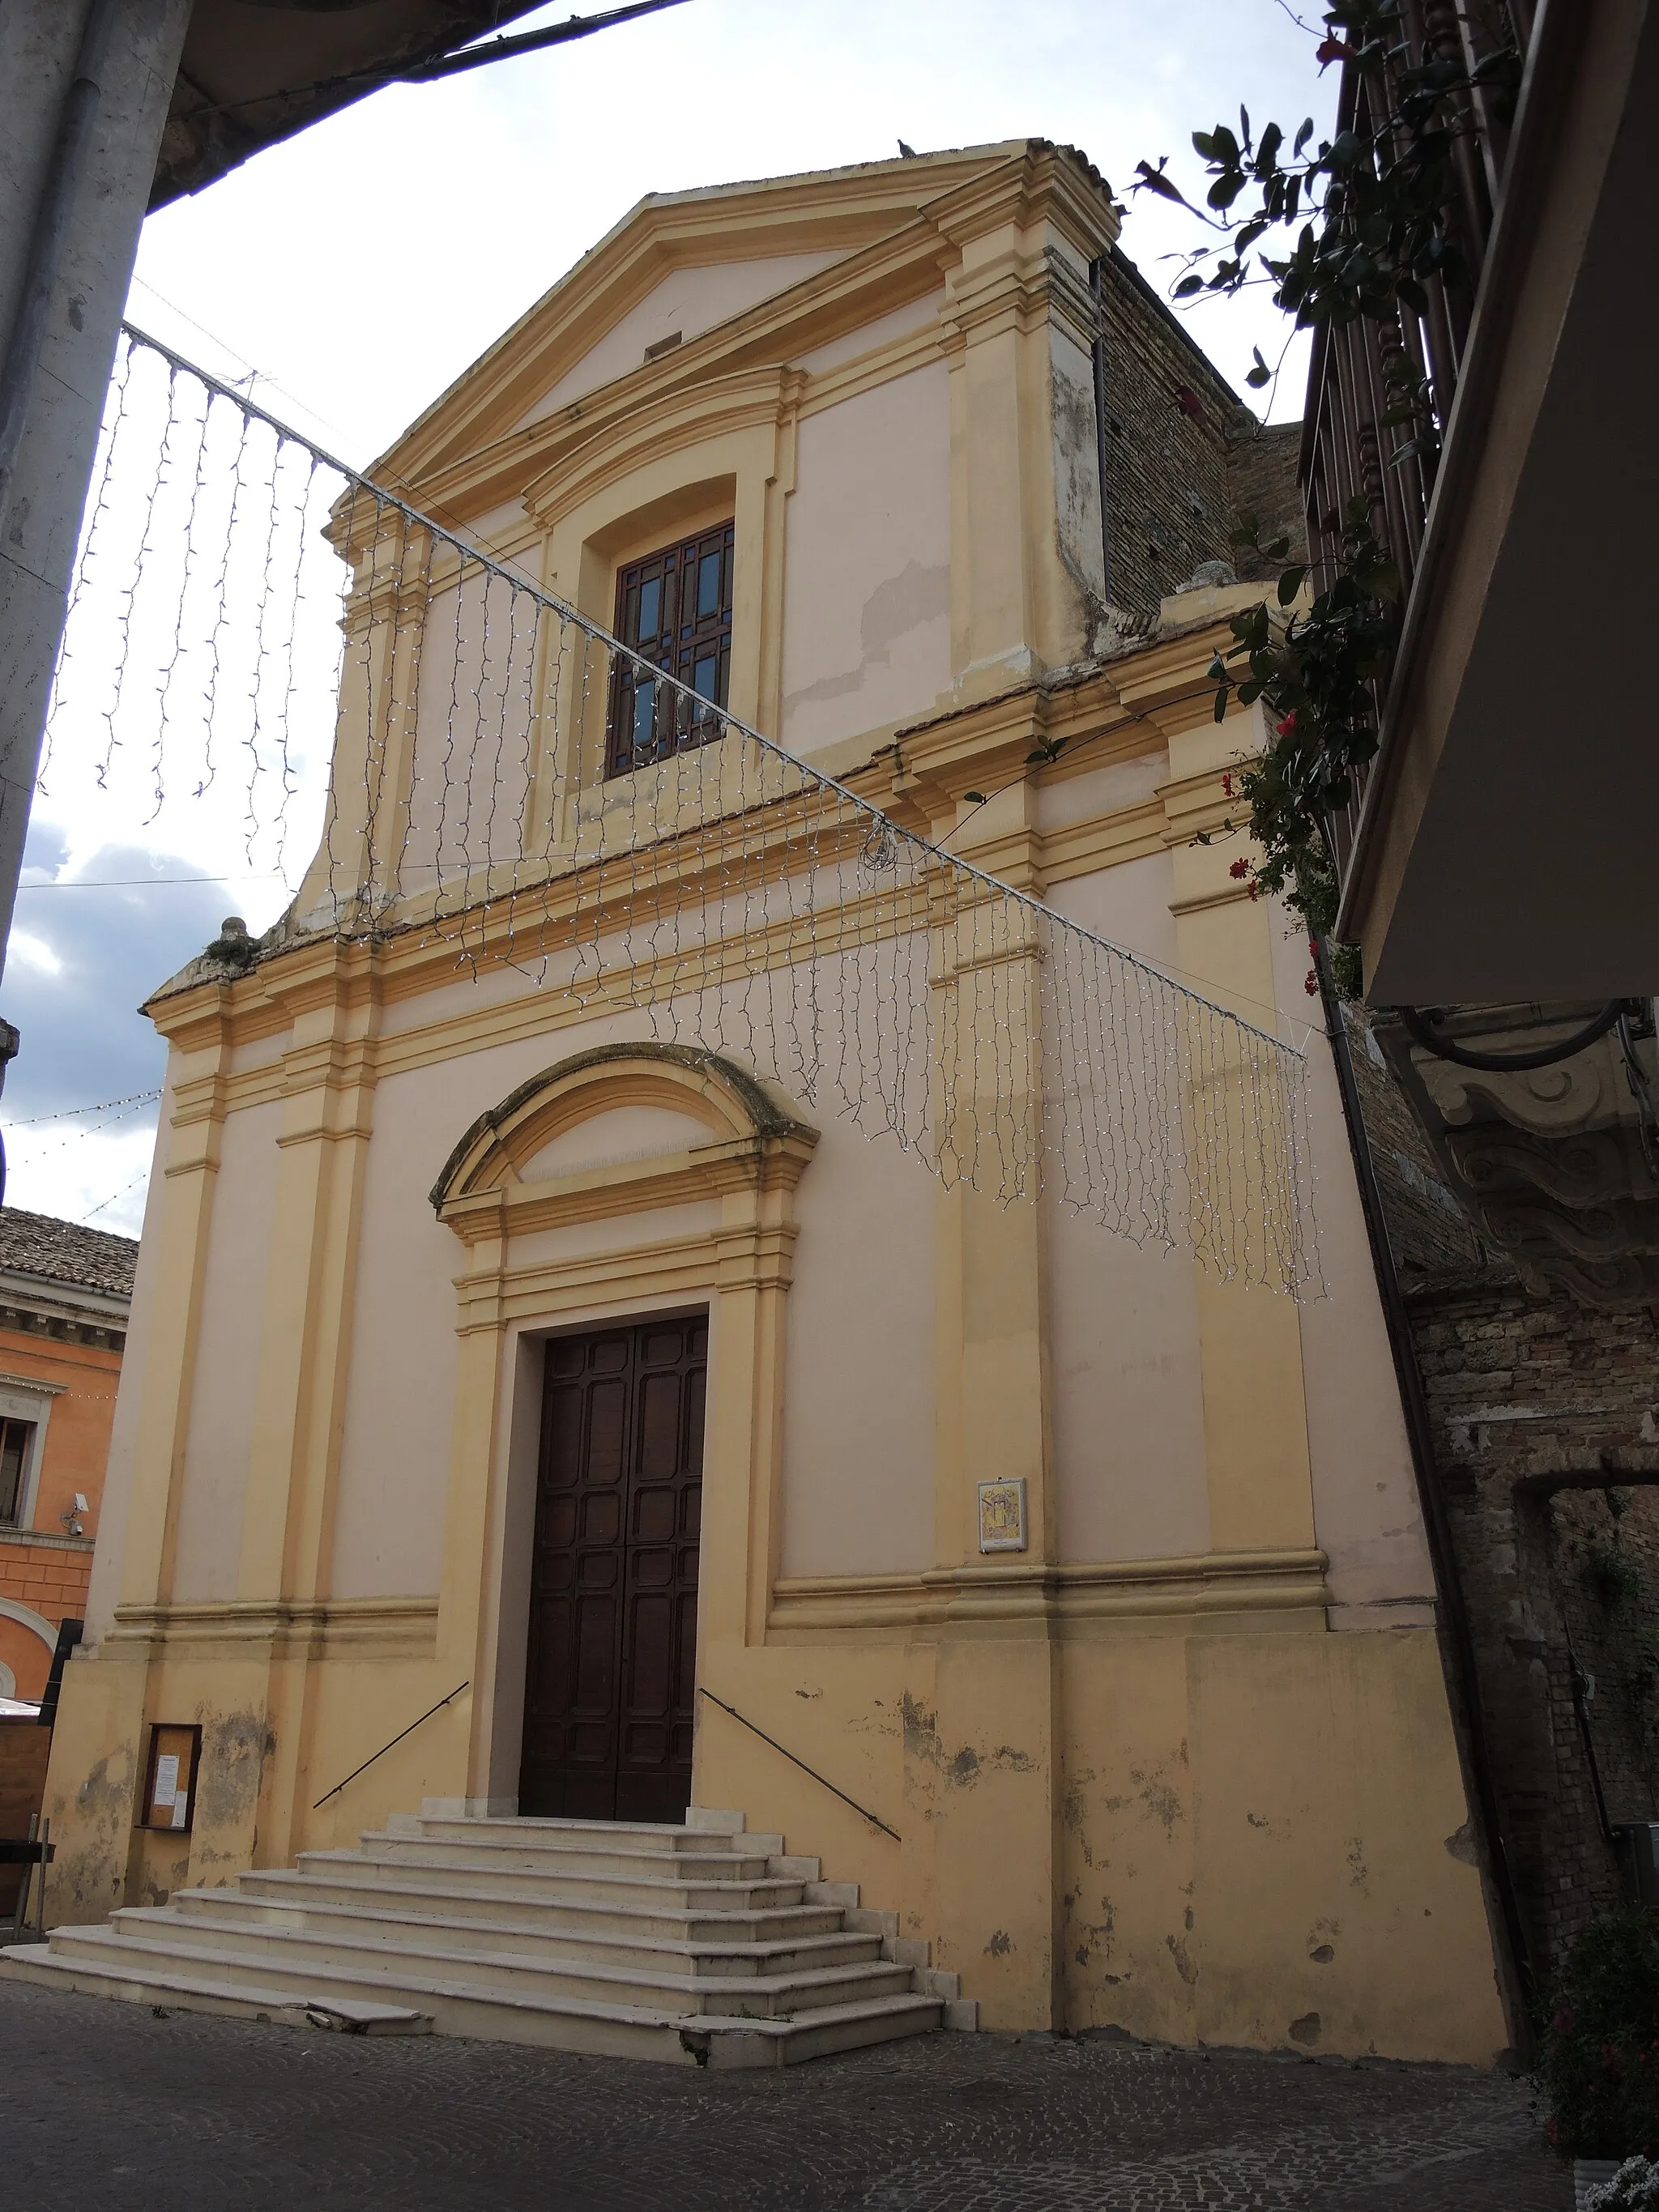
(84, 88)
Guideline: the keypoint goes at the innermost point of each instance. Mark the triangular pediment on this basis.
(692, 263)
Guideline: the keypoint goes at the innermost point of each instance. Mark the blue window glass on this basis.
(674, 607)
(644, 714)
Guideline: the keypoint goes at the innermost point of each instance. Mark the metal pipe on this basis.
(1469, 1723)
(51, 221)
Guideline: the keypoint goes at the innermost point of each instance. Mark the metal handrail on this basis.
(386, 1747)
(863, 1811)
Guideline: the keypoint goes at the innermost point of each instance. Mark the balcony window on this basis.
(674, 608)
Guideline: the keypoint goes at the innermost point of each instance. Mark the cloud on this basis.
(93, 954)
(87, 948)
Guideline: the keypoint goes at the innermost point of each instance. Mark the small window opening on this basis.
(15, 1439)
(674, 608)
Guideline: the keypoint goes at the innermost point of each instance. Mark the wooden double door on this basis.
(610, 1675)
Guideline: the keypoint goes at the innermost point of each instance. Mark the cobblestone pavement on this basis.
(109, 2109)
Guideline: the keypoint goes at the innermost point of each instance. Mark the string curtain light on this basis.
(721, 892)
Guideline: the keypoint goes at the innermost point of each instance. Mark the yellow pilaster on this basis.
(1255, 1431)
(287, 1522)
(187, 1158)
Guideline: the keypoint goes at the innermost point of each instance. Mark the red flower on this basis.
(1287, 728)
(1239, 868)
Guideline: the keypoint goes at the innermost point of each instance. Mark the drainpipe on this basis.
(52, 222)
(1459, 1641)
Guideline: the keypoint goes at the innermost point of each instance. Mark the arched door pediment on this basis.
(667, 1124)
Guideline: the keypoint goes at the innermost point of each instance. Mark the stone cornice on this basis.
(1119, 710)
(362, 1628)
(1275, 1586)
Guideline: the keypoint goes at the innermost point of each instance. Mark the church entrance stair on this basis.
(699, 1944)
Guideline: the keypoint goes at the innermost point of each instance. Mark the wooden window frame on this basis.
(16, 1516)
(146, 1805)
(646, 722)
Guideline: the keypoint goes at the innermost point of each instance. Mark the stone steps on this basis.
(286, 1884)
(681, 1951)
(701, 1945)
(607, 1884)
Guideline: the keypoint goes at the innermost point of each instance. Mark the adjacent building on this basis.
(64, 1291)
(1498, 883)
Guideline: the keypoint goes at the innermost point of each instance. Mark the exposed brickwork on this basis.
(1540, 1410)
(1604, 1569)
(1185, 458)
(1434, 1238)
(1261, 470)
(1171, 424)
(1528, 1398)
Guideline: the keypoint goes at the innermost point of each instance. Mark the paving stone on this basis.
(110, 2109)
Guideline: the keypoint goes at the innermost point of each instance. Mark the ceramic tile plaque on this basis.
(1002, 1516)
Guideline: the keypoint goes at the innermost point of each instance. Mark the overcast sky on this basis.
(355, 270)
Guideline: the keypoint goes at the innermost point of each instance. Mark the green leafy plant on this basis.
(1597, 2065)
(1368, 217)
(1363, 222)
(232, 947)
(1313, 672)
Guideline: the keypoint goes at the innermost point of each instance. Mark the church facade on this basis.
(568, 1417)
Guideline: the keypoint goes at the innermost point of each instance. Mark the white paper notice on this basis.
(166, 1780)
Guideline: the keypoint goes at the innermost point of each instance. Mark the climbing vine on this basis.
(1359, 225)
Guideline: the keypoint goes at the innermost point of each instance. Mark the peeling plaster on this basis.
(1460, 1844)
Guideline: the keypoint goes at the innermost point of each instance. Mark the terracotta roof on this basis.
(63, 1252)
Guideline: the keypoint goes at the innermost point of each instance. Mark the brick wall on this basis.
(1261, 470)
(1434, 1238)
(1185, 458)
(1170, 423)
(1544, 1420)
(1539, 1409)
(1604, 1569)
(50, 1581)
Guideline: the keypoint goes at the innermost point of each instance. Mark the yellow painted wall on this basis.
(1183, 1767)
